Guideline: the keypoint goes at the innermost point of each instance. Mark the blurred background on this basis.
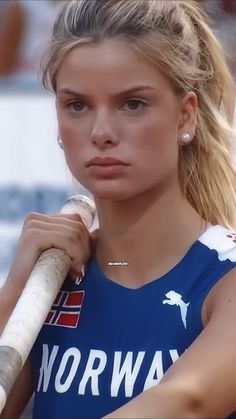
(33, 173)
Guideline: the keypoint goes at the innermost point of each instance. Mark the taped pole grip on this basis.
(10, 367)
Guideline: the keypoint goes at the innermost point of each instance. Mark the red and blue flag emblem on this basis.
(65, 311)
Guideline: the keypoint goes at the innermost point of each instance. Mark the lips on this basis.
(106, 161)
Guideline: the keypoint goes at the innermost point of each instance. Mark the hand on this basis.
(41, 232)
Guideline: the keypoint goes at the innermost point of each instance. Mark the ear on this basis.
(188, 114)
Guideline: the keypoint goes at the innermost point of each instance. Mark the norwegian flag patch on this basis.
(65, 311)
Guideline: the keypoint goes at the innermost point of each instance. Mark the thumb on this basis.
(94, 238)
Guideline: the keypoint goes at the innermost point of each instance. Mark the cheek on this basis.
(72, 142)
(158, 132)
(158, 146)
(67, 129)
(73, 135)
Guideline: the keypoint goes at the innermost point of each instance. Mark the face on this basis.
(111, 103)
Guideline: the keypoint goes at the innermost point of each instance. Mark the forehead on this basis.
(108, 64)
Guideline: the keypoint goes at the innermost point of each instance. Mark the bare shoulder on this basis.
(20, 394)
(220, 303)
(223, 242)
(208, 367)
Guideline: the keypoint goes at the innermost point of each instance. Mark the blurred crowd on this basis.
(25, 26)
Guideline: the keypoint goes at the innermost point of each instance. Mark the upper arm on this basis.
(20, 394)
(208, 367)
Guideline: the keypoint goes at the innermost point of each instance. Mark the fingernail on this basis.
(80, 276)
(83, 270)
(78, 279)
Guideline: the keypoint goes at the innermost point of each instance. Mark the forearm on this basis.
(8, 300)
(166, 400)
(9, 294)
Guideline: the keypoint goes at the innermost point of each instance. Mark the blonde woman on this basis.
(144, 102)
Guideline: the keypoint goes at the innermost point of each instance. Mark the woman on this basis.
(144, 102)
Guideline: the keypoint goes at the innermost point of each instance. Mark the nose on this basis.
(103, 133)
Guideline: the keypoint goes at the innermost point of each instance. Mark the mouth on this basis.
(106, 164)
(108, 170)
(105, 161)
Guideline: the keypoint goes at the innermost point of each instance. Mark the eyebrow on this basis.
(134, 89)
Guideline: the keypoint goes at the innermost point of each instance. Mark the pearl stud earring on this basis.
(60, 143)
(185, 138)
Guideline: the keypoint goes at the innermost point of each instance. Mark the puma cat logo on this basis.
(175, 299)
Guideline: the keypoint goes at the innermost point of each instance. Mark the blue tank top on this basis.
(103, 344)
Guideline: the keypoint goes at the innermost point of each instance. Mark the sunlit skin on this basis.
(112, 102)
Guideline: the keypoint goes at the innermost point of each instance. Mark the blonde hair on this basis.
(177, 38)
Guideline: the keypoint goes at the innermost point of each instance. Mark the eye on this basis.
(135, 104)
(76, 106)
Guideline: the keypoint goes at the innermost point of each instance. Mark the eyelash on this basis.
(139, 101)
(71, 104)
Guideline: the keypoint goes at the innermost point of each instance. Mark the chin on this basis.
(111, 193)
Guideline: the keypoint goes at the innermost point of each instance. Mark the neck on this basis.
(148, 233)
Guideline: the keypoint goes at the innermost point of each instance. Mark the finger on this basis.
(94, 236)
(55, 224)
(49, 218)
(75, 243)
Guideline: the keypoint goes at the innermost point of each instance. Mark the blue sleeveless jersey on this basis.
(103, 344)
